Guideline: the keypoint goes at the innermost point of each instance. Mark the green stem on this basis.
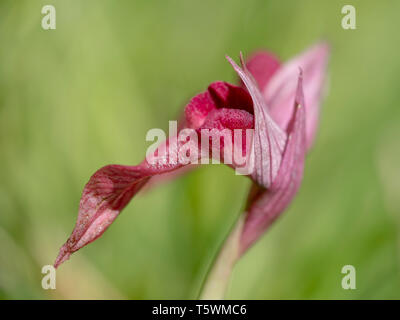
(217, 279)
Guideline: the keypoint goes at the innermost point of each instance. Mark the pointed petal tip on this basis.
(324, 44)
(230, 60)
(233, 63)
(242, 60)
(321, 49)
(299, 95)
(63, 256)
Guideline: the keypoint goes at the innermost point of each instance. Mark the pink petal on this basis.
(281, 89)
(264, 206)
(269, 139)
(263, 65)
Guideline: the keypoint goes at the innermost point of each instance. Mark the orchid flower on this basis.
(279, 102)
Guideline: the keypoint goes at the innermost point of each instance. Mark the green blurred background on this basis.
(84, 95)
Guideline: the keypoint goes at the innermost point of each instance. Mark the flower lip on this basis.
(218, 95)
(227, 95)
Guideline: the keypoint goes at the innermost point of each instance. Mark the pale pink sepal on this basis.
(281, 88)
(265, 205)
(269, 138)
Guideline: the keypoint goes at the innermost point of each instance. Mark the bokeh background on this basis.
(84, 95)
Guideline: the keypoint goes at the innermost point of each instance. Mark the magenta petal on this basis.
(269, 139)
(265, 206)
(281, 89)
(262, 65)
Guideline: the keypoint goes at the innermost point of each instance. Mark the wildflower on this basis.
(270, 101)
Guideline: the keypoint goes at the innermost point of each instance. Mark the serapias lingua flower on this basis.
(280, 102)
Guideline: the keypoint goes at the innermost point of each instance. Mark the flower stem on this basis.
(217, 279)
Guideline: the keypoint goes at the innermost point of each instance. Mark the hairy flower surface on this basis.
(280, 102)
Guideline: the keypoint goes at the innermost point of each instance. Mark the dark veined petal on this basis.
(269, 139)
(104, 196)
(108, 191)
(265, 205)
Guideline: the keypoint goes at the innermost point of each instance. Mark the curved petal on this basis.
(269, 139)
(265, 205)
(281, 89)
